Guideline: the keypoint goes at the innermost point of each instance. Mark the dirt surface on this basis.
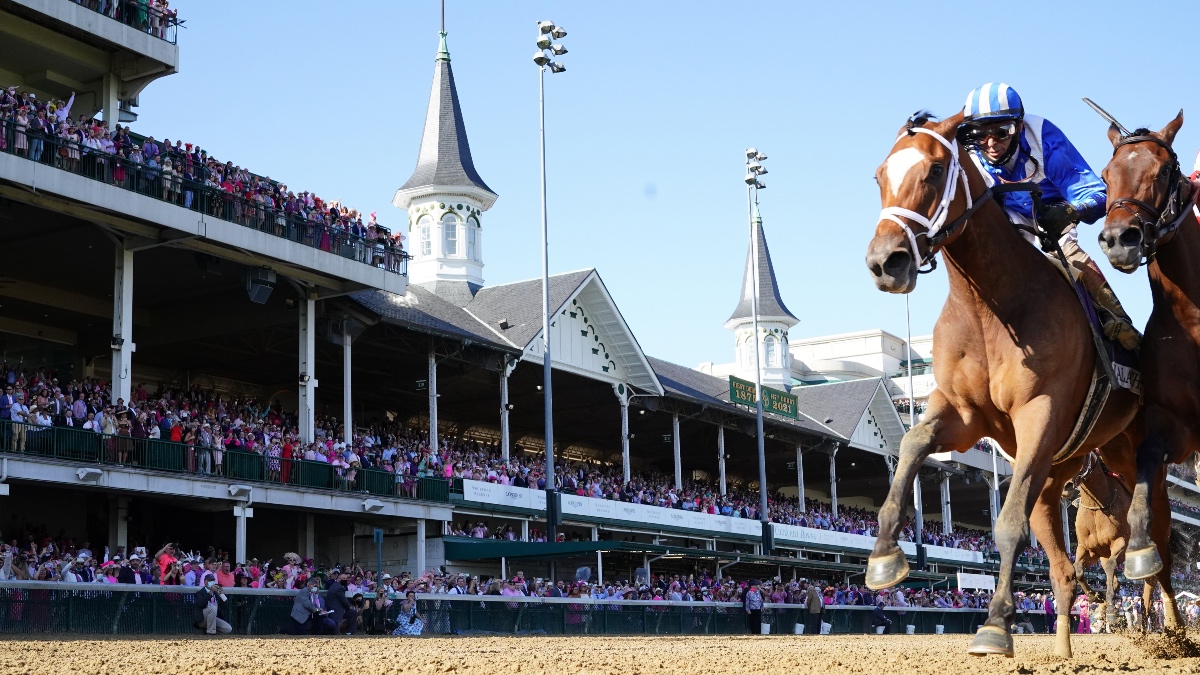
(827, 655)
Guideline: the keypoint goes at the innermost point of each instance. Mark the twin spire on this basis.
(770, 304)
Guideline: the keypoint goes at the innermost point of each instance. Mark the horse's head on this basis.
(919, 183)
(1145, 193)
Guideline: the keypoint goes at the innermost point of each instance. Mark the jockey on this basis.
(1009, 146)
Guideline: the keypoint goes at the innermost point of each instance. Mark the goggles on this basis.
(977, 134)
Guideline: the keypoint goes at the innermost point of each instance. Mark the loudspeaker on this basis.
(768, 539)
(554, 507)
(259, 284)
(921, 560)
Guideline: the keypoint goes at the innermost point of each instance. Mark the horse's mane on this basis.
(919, 119)
(1142, 131)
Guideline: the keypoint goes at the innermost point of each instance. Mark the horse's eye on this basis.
(1164, 172)
(936, 172)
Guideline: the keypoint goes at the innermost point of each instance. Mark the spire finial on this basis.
(443, 31)
(443, 53)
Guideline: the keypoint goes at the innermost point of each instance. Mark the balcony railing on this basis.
(80, 445)
(141, 15)
(205, 198)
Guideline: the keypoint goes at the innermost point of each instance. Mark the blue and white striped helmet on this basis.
(993, 101)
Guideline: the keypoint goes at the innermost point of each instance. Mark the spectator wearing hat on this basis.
(134, 572)
(816, 605)
(879, 617)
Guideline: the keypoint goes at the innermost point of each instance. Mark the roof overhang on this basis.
(406, 196)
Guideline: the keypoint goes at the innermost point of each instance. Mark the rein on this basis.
(1167, 218)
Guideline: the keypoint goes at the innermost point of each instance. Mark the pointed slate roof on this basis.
(445, 156)
(770, 304)
(841, 403)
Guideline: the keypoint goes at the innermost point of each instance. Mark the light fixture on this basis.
(373, 505)
(558, 33)
(641, 412)
(556, 67)
(89, 474)
(541, 59)
(631, 436)
(509, 407)
(557, 49)
(539, 387)
(304, 378)
(543, 42)
(751, 178)
(239, 491)
(757, 168)
(545, 27)
(751, 153)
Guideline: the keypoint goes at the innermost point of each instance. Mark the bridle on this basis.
(937, 230)
(1167, 218)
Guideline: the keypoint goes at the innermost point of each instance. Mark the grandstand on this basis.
(305, 325)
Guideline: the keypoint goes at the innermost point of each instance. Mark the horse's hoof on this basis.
(887, 571)
(1142, 563)
(991, 640)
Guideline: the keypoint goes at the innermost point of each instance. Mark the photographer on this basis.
(374, 614)
(211, 600)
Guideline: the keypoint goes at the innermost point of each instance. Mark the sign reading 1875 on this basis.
(774, 401)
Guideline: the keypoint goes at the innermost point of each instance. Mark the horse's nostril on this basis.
(897, 262)
(1131, 237)
(877, 269)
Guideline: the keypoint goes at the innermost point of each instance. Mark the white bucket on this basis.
(799, 629)
(910, 629)
(879, 630)
(939, 629)
(765, 628)
(825, 628)
(978, 628)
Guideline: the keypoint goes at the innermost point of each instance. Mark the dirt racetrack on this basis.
(827, 655)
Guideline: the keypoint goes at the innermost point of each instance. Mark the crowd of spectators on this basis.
(186, 175)
(154, 17)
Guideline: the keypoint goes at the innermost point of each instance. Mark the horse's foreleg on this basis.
(1161, 536)
(942, 429)
(1143, 560)
(1083, 559)
(1046, 522)
(1110, 592)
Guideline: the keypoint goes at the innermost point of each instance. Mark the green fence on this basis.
(42, 607)
(79, 445)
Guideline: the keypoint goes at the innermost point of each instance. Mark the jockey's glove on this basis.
(1058, 218)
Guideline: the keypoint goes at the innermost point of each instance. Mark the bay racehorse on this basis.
(1152, 220)
(1102, 531)
(1013, 356)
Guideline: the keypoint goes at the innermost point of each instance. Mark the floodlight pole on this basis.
(763, 516)
(546, 363)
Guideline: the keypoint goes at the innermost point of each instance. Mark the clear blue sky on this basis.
(647, 127)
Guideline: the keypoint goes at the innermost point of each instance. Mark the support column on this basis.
(110, 99)
(310, 536)
(240, 514)
(675, 447)
(122, 335)
(833, 480)
(721, 456)
(118, 524)
(623, 398)
(433, 401)
(890, 460)
(420, 546)
(800, 478)
(995, 490)
(918, 511)
(947, 527)
(347, 397)
(1066, 523)
(524, 530)
(506, 369)
(308, 366)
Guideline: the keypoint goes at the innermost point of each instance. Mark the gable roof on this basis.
(691, 384)
(841, 403)
(520, 304)
(445, 157)
(770, 304)
(421, 310)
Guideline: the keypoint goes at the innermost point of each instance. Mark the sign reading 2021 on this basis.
(774, 401)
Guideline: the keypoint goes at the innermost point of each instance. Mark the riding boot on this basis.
(1116, 323)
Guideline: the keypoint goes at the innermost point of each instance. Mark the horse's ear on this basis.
(948, 127)
(1168, 132)
(1114, 134)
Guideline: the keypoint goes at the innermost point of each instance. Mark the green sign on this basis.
(774, 401)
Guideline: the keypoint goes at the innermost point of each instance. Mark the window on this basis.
(424, 224)
(450, 235)
(772, 352)
(472, 239)
(744, 354)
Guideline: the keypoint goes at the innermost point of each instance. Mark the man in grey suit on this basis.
(308, 617)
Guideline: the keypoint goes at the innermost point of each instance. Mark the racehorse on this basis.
(1013, 358)
(1152, 220)
(1101, 530)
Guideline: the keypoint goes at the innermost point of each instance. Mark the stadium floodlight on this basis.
(751, 178)
(757, 168)
(544, 60)
(750, 153)
(759, 185)
(754, 169)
